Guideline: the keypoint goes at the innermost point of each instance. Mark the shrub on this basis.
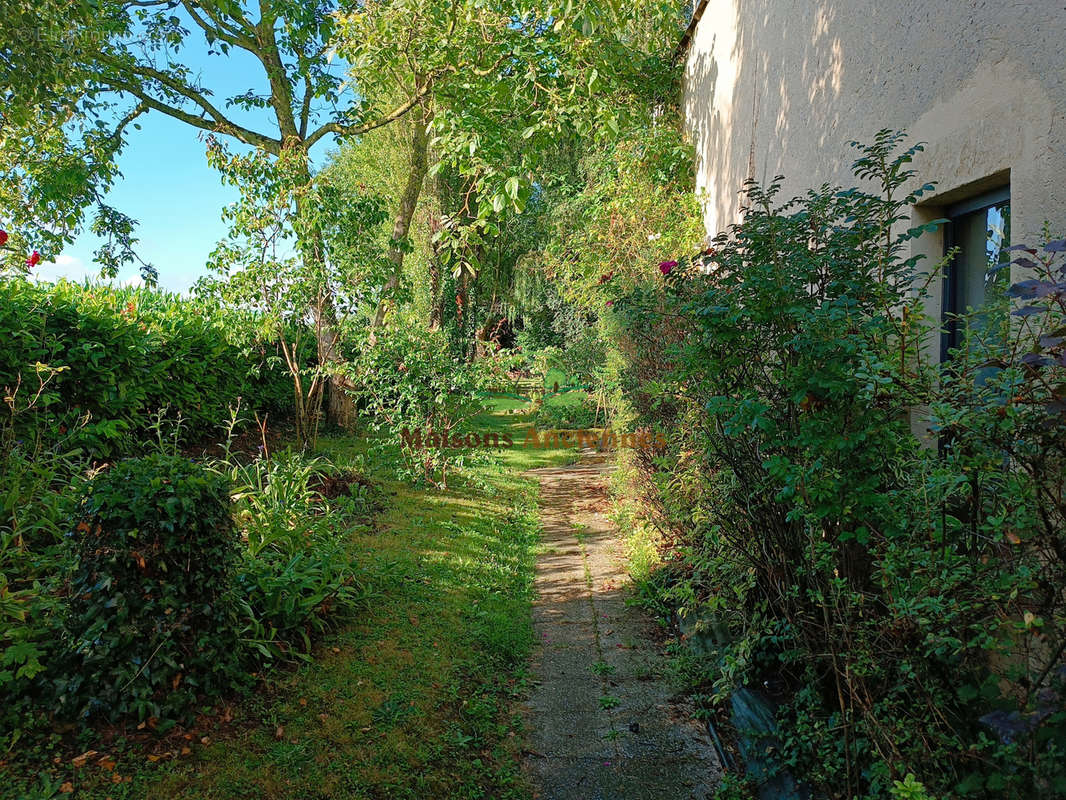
(122, 356)
(152, 617)
(412, 388)
(39, 482)
(34, 510)
(905, 599)
(570, 411)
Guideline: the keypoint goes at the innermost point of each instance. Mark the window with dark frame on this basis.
(980, 229)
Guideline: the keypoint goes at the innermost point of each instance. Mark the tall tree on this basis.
(258, 270)
(290, 43)
(320, 70)
(501, 90)
(140, 58)
(418, 168)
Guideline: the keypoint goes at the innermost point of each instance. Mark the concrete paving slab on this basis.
(603, 723)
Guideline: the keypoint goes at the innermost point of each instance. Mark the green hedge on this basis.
(126, 354)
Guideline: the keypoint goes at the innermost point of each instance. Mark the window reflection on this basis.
(981, 232)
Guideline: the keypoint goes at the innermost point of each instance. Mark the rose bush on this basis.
(903, 602)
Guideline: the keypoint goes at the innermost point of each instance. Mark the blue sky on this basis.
(176, 198)
(167, 186)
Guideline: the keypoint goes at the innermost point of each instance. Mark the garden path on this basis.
(604, 723)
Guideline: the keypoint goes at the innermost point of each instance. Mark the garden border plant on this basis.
(905, 602)
(151, 615)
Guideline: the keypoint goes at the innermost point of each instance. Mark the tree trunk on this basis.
(489, 332)
(436, 288)
(460, 301)
(416, 176)
(340, 409)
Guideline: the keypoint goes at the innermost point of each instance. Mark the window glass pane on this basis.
(982, 237)
(981, 234)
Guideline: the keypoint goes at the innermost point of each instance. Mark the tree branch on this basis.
(239, 27)
(365, 127)
(120, 128)
(219, 29)
(305, 109)
(222, 124)
(217, 125)
(270, 57)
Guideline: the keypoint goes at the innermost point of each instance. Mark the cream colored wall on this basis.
(781, 86)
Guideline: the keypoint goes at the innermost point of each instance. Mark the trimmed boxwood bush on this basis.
(152, 620)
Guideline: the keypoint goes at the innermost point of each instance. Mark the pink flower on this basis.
(667, 267)
(610, 303)
(3, 238)
(34, 259)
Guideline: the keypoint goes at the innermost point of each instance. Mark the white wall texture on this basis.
(781, 86)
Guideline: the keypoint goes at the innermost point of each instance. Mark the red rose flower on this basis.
(34, 259)
(3, 238)
(667, 267)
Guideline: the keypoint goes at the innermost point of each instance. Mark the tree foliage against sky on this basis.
(321, 70)
(498, 82)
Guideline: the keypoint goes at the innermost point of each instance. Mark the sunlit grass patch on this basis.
(643, 543)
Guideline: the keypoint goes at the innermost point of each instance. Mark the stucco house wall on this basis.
(781, 86)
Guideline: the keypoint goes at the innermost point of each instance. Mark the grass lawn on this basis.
(413, 699)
